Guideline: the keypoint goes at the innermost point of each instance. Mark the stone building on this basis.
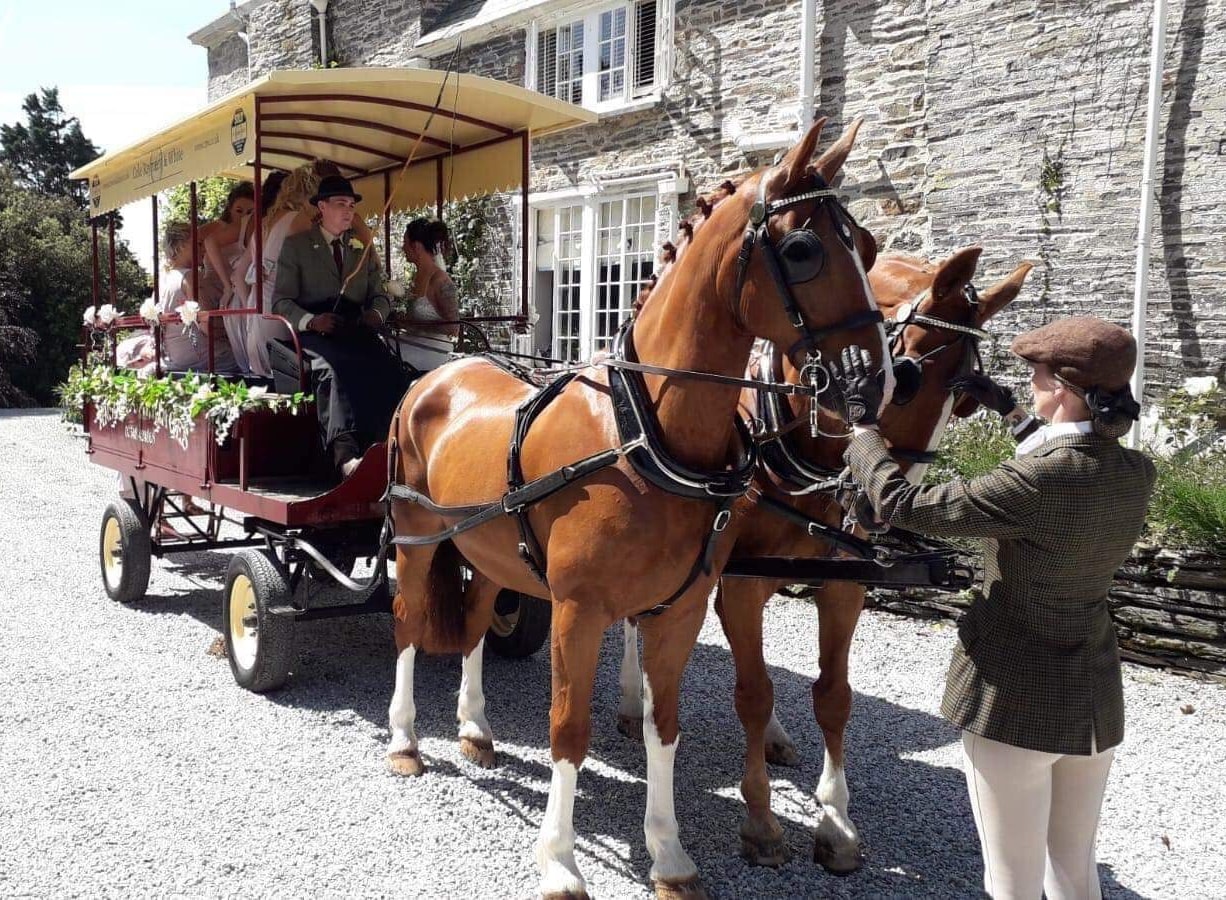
(1016, 125)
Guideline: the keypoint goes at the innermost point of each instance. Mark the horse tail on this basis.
(445, 613)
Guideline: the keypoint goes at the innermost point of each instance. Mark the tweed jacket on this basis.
(1036, 664)
(306, 276)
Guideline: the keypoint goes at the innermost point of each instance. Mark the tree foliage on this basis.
(42, 152)
(211, 196)
(46, 258)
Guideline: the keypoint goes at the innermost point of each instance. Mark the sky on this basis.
(125, 68)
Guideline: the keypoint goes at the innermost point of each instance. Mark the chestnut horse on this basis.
(940, 294)
(614, 543)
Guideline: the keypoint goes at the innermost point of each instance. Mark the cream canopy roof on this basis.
(367, 121)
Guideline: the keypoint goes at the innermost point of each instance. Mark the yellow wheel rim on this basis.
(503, 625)
(243, 638)
(112, 553)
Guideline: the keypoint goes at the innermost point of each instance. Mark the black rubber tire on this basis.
(521, 625)
(261, 657)
(131, 581)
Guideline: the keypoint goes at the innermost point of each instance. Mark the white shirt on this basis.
(1047, 433)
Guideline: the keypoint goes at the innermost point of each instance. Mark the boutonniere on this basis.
(356, 244)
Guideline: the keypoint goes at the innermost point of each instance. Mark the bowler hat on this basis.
(334, 186)
(1086, 351)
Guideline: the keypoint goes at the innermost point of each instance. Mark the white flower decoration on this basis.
(356, 244)
(107, 314)
(394, 288)
(150, 310)
(189, 312)
(257, 391)
(90, 313)
(1197, 386)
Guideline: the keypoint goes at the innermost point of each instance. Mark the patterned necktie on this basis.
(338, 257)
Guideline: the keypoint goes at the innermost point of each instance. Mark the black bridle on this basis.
(909, 370)
(799, 257)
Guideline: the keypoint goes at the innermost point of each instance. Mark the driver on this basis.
(329, 287)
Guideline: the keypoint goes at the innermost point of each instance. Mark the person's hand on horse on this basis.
(990, 395)
(325, 323)
(861, 387)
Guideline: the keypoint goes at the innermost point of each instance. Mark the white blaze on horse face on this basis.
(669, 861)
(401, 713)
(915, 474)
(555, 845)
(836, 828)
(470, 710)
(630, 704)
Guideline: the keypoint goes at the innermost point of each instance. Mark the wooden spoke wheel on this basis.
(521, 625)
(259, 642)
(124, 552)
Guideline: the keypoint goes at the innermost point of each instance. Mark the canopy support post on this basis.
(523, 230)
(438, 188)
(258, 255)
(154, 202)
(96, 287)
(387, 223)
(110, 233)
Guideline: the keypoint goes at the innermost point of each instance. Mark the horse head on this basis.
(936, 320)
(797, 276)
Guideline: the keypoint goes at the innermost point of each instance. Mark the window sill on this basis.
(633, 106)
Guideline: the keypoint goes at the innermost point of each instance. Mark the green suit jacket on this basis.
(1037, 664)
(306, 275)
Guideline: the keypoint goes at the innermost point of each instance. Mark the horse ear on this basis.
(796, 163)
(956, 272)
(1001, 294)
(832, 160)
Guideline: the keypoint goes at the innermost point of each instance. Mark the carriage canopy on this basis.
(470, 140)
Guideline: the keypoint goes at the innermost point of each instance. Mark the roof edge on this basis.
(443, 40)
(231, 22)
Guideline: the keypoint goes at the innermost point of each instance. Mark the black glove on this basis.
(989, 394)
(861, 388)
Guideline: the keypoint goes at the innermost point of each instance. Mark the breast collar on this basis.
(637, 425)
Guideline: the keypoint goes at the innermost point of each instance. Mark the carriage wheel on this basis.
(259, 643)
(521, 624)
(124, 550)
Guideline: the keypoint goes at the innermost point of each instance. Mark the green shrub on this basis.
(1188, 508)
(971, 447)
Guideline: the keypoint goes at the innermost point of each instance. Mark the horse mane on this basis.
(670, 252)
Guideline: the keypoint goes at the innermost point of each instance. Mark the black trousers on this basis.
(358, 384)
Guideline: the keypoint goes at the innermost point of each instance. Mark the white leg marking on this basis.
(915, 474)
(555, 845)
(836, 826)
(776, 733)
(402, 712)
(470, 711)
(631, 702)
(669, 861)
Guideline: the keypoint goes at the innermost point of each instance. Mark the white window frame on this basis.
(590, 15)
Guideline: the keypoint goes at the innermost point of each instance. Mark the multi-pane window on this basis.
(568, 283)
(625, 258)
(605, 58)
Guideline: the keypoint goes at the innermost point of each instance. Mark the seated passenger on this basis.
(185, 346)
(223, 243)
(329, 287)
(432, 296)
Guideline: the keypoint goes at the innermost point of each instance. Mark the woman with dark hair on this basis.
(434, 305)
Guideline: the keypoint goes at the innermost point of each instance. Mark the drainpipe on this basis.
(808, 54)
(321, 7)
(1141, 284)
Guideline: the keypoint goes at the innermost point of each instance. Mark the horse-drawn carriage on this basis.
(633, 486)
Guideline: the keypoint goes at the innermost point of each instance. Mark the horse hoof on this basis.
(478, 751)
(630, 726)
(837, 860)
(405, 763)
(690, 889)
(781, 754)
(566, 895)
(763, 844)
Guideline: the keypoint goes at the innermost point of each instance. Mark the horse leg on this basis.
(476, 738)
(667, 642)
(740, 603)
(630, 704)
(408, 625)
(836, 843)
(574, 651)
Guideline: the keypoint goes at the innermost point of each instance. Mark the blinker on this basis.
(908, 375)
(802, 255)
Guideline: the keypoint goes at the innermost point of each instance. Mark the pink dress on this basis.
(259, 330)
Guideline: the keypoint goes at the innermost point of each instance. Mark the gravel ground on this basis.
(132, 765)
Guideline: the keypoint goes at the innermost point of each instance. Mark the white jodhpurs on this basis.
(1037, 818)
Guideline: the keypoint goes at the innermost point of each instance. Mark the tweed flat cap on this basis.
(1085, 350)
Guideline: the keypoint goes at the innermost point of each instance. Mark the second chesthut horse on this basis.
(778, 259)
(936, 319)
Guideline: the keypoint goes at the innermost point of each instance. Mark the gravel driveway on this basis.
(132, 765)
